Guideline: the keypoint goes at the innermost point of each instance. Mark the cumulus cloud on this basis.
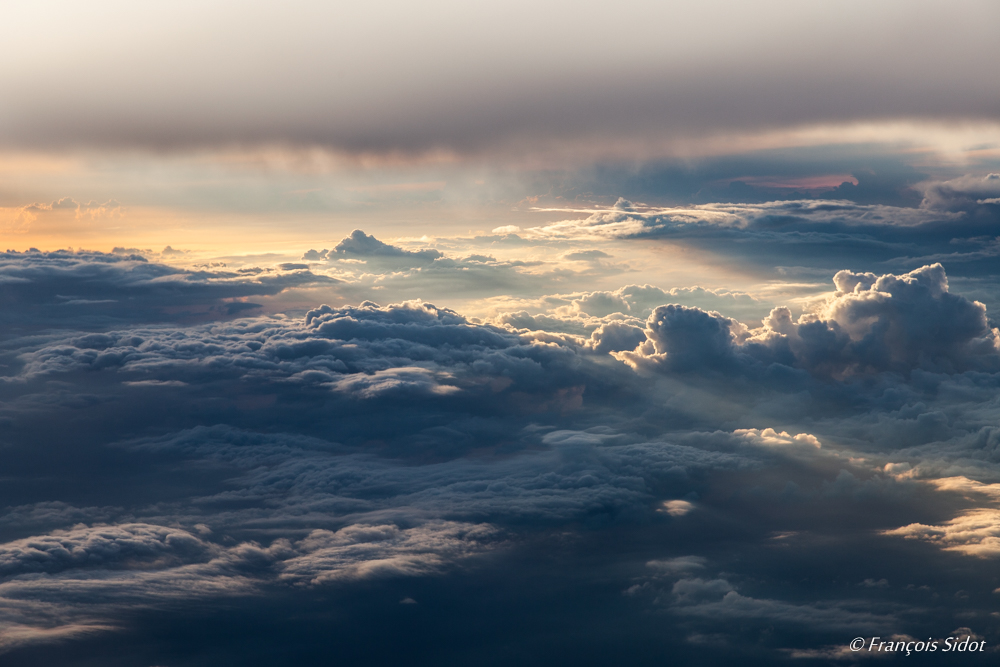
(373, 269)
(616, 337)
(871, 323)
(360, 245)
(768, 437)
(639, 300)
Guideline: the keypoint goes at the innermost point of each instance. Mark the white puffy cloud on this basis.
(871, 323)
(768, 437)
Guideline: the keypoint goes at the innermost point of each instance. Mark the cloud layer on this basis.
(707, 456)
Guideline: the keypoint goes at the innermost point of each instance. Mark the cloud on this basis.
(678, 565)
(586, 255)
(358, 244)
(719, 599)
(395, 380)
(871, 323)
(974, 533)
(125, 545)
(360, 352)
(770, 218)
(575, 477)
(584, 313)
(374, 269)
(967, 193)
(768, 437)
(686, 339)
(22, 219)
(798, 237)
(616, 337)
(677, 507)
(91, 573)
(61, 286)
(742, 73)
(698, 597)
(362, 551)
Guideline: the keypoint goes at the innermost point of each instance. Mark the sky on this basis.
(499, 333)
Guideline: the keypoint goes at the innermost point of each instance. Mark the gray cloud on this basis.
(94, 289)
(94, 572)
(733, 69)
(796, 239)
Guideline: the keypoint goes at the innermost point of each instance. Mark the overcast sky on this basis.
(474, 78)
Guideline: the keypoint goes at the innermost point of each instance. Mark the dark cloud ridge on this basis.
(50, 288)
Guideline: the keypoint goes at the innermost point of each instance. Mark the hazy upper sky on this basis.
(374, 112)
(493, 78)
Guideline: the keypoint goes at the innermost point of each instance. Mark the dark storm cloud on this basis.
(446, 77)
